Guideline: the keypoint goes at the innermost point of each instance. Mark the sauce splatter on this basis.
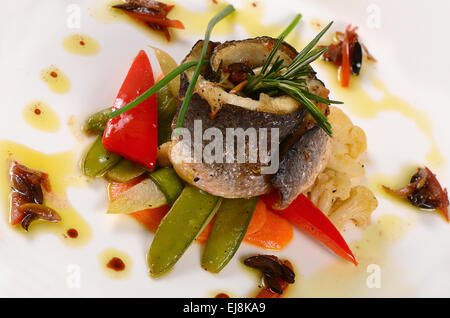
(358, 102)
(40, 116)
(72, 233)
(341, 279)
(115, 264)
(56, 80)
(222, 295)
(81, 44)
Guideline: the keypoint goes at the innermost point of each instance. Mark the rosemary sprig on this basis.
(187, 97)
(291, 79)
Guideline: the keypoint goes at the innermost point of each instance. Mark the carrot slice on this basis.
(203, 236)
(266, 229)
(151, 218)
(274, 235)
(256, 223)
(258, 219)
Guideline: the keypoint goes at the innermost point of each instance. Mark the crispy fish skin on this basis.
(300, 166)
(244, 180)
(229, 180)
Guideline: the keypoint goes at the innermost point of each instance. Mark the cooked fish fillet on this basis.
(215, 107)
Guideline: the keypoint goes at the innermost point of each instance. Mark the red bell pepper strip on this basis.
(345, 67)
(303, 214)
(134, 134)
(348, 45)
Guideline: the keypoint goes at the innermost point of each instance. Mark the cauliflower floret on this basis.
(329, 186)
(356, 208)
(348, 144)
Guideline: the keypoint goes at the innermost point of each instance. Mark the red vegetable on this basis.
(152, 13)
(134, 134)
(303, 214)
(27, 187)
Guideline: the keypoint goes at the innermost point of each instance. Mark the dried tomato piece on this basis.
(27, 196)
(33, 211)
(424, 191)
(353, 48)
(152, 13)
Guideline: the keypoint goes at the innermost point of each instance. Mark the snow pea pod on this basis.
(168, 182)
(124, 171)
(96, 123)
(187, 217)
(227, 233)
(98, 160)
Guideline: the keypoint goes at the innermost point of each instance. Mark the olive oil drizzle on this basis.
(40, 116)
(62, 171)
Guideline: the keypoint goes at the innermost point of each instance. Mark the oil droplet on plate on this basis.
(56, 80)
(81, 44)
(72, 233)
(40, 116)
(115, 263)
(247, 16)
(63, 173)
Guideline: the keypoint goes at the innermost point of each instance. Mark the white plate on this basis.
(408, 39)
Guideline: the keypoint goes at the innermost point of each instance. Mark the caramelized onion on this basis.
(424, 191)
(273, 271)
(152, 13)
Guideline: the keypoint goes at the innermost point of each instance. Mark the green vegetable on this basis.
(227, 233)
(167, 107)
(190, 90)
(124, 171)
(97, 160)
(190, 213)
(155, 88)
(96, 123)
(291, 80)
(142, 196)
(177, 71)
(168, 182)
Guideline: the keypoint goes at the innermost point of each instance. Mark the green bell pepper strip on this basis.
(190, 213)
(124, 171)
(227, 233)
(168, 182)
(96, 123)
(167, 107)
(97, 160)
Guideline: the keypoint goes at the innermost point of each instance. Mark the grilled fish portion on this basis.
(229, 180)
(215, 107)
(301, 165)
